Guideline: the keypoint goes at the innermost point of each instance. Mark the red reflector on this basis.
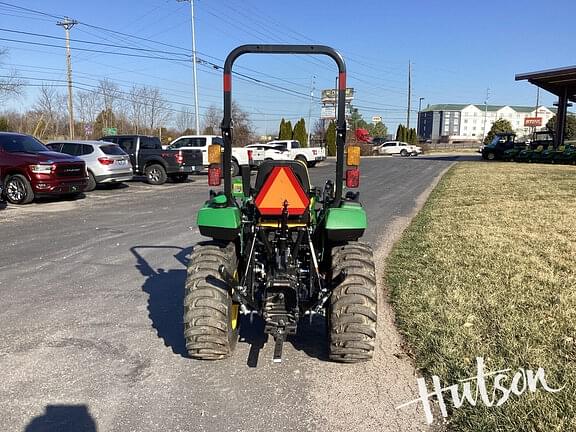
(105, 161)
(249, 154)
(353, 178)
(214, 176)
(179, 158)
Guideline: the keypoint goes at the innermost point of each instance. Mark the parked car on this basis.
(294, 151)
(240, 155)
(150, 159)
(271, 151)
(397, 148)
(29, 169)
(106, 162)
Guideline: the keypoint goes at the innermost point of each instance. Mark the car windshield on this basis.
(21, 143)
(498, 140)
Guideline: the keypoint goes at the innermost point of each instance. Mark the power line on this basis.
(90, 42)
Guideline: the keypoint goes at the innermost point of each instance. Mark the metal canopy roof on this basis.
(555, 81)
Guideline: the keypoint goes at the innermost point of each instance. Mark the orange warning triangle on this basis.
(282, 185)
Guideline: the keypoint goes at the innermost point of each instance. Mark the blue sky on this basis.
(458, 49)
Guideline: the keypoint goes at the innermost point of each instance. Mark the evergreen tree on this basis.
(331, 139)
(569, 132)
(378, 130)
(499, 126)
(412, 136)
(281, 129)
(299, 133)
(288, 130)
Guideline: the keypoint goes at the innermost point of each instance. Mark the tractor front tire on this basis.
(210, 316)
(353, 305)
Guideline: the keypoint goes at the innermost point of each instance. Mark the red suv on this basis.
(29, 169)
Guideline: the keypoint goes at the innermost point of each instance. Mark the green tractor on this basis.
(281, 248)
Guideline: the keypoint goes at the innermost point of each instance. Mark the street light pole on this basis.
(310, 109)
(419, 111)
(194, 75)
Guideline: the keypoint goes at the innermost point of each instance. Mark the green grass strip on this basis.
(487, 269)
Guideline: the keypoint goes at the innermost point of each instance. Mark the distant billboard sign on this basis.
(532, 121)
(329, 95)
(328, 112)
(377, 119)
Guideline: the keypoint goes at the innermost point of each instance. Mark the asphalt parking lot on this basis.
(91, 292)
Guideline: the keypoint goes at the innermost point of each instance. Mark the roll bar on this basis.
(284, 49)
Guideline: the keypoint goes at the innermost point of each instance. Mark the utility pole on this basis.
(310, 109)
(485, 113)
(194, 75)
(409, 94)
(537, 104)
(67, 23)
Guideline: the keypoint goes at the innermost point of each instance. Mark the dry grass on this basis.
(488, 269)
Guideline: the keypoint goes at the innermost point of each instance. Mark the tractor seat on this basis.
(298, 168)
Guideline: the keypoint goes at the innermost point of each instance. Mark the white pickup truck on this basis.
(292, 150)
(240, 155)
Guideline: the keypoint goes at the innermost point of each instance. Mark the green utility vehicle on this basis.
(281, 248)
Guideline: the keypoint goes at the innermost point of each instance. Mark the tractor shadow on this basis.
(165, 289)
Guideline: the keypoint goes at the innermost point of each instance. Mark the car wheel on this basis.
(91, 182)
(155, 174)
(414, 154)
(403, 152)
(491, 156)
(19, 190)
(234, 168)
(301, 159)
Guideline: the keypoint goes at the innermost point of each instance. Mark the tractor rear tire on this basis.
(210, 317)
(353, 305)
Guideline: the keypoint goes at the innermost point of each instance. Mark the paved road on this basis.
(91, 305)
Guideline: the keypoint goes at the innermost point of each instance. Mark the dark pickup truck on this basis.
(149, 159)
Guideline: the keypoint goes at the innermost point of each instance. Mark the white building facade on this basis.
(472, 122)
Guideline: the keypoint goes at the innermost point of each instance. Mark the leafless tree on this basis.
(10, 85)
(51, 105)
(184, 119)
(87, 106)
(243, 128)
(212, 120)
(137, 99)
(157, 109)
(108, 92)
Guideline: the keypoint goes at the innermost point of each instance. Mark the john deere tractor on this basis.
(281, 248)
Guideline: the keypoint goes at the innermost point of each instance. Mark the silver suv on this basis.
(106, 162)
